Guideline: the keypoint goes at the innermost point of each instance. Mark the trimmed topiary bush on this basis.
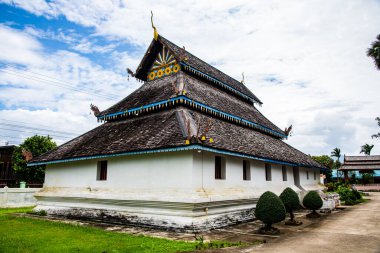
(270, 210)
(291, 202)
(312, 201)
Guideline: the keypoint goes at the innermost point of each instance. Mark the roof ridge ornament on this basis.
(155, 33)
(288, 130)
(242, 80)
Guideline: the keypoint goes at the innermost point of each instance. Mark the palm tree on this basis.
(336, 153)
(378, 134)
(366, 149)
(374, 51)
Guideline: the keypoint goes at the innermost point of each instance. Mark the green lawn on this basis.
(18, 234)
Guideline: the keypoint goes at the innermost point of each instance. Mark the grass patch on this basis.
(22, 234)
(15, 210)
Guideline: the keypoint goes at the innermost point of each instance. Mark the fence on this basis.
(17, 197)
(17, 185)
(367, 187)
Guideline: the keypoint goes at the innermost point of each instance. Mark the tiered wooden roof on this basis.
(370, 162)
(184, 104)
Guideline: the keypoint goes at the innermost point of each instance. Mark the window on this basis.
(246, 170)
(102, 171)
(220, 167)
(315, 175)
(2, 172)
(307, 175)
(284, 173)
(268, 172)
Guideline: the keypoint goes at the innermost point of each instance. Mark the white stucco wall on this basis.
(177, 188)
(17, 197)
(234, 186)
(178, 176)
(311, 183)
(144, 176)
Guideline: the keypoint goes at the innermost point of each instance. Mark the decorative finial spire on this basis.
(242, 80)
(155, 33)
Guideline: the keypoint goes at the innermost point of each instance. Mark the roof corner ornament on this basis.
(26, 154)
(288, 130)
(155, 33)
(95, 109)
(182, 54)
(130, 72)
(242, 80)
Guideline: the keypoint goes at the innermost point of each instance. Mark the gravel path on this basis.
(356, 229)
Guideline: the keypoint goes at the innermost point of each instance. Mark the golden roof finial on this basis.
(242, 80)
(155, 33)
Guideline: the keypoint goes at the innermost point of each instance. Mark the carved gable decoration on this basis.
(164, 65)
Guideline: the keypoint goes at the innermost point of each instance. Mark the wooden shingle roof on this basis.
(158, 115)
(162, 130)
(367, 162)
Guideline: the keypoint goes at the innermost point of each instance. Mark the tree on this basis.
(270, 210)
(366, 149)
(378, 123)
(291, 202)
(312, 201)
(336, 153)
(36, 145)
(374, 51)
(326, 161)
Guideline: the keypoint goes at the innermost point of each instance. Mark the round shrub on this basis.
(270, 209)
(356, 194)
(312, 201)
(348, 195)
(290, 200)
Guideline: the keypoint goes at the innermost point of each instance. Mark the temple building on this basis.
(187, 150)
(362, 164)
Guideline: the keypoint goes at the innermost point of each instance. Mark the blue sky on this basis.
(305, 60)
(22, 20)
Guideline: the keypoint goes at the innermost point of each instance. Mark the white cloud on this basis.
(37, 7)
(45, 89)
(328, 87)
(18, 47)
(66, 125)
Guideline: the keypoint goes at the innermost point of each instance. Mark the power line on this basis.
(25, 123)
(12, 137)
(57, 84)
(25, 131)
(38, 129)
(53, 79)
(11, 143)
(49, 82)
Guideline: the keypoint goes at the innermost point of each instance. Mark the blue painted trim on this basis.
(256, 125)
(182, 148)
(148, 106)
(223, 84)
(113, 155)
(189, 102)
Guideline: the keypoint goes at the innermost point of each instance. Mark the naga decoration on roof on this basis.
(26, 154)
(164, 65)
(95, 109)
(288, 130)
